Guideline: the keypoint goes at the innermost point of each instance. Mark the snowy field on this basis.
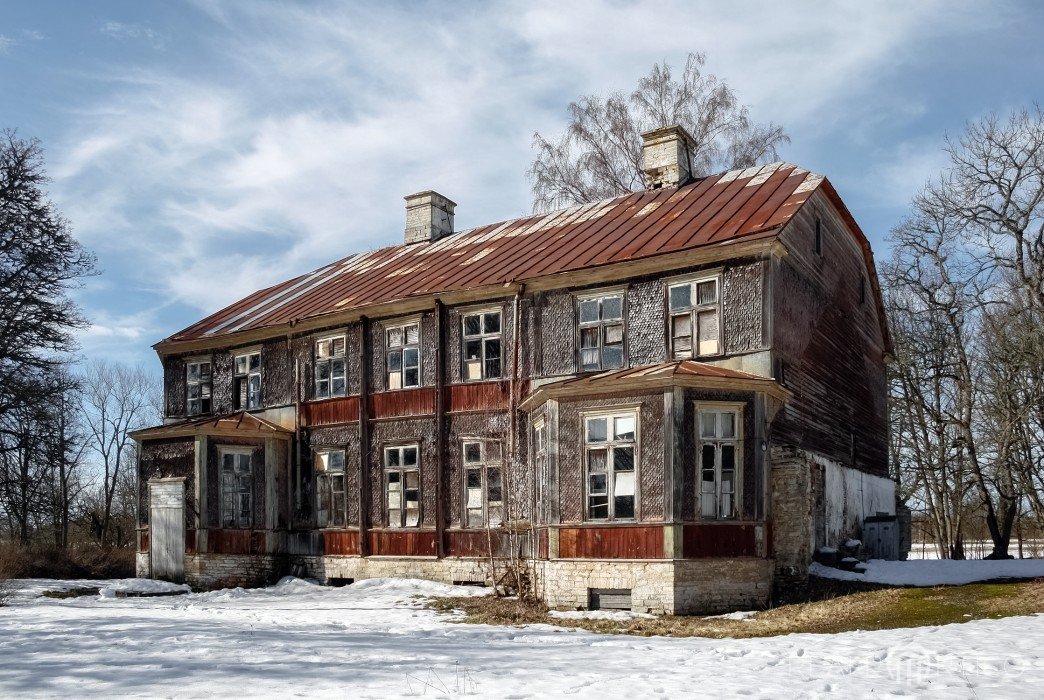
(936, 572)
(373, 639)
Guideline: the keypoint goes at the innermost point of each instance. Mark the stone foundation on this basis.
(231, 570)
(680, 587)
(449, 570)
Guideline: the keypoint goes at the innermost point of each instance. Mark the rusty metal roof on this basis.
(745, 204)
(670, 373)
(247, 424)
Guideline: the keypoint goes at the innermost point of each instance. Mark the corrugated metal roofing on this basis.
(737, 204)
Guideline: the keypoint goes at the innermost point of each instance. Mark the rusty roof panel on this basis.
(715, 209)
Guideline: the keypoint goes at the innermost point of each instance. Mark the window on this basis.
(482, 345)
(246, 381)
(198, 382)
(483, 486)
(819, 237)
(695, 318)
(719, 441)
(610, 447)
(402, 486)
(601, 332)
(403, 343)
(541, 469)
(237, 488)
(329, 367)
(329, 478)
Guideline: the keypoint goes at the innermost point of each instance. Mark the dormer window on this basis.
(329, 367)
(601, 331)
(246, 381)
(198, 387)
(403, 355)
(695, 310)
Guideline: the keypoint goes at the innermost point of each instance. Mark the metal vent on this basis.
(609, 598)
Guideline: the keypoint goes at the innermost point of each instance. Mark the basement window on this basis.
(601, 331)
(246, 381)
(402, 486)
(403, 355)
(329, 367)
(237, 488)
(718, 434)
(695, 317)
(198, 387)
(611, 458)
(483, 483)
(329, 477)
(482, 345)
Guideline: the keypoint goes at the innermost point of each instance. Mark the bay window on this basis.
(718, 436)
(611, 460)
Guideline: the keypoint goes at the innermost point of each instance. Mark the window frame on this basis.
(238, 377)
(611, 444)
(601, 325)
(483, 465)
(738, 410)
(401, 470)
(208, 383)
(482, 338)
(329, 361)
(541, 468)
(693, 311)
(235, 522)
(325, 480)
(401, 350)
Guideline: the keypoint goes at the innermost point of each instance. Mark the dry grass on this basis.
(867, 610)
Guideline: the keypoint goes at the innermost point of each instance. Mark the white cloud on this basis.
(135, 32)
(295, 144)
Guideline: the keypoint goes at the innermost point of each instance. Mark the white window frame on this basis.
(720, 491)
(235, 519)
(693, 312)
(330, 485)
(613, 482)
(601, 327)
(483, 458)
(541, 468)
(402, 471)
(483, 337)
(397, 378)
(330, 361)
(203, 383)
(249, 400)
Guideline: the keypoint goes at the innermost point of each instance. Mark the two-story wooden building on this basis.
(674, 396)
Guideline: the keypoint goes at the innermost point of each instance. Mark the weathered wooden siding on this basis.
(403, 543)
(342, 542)
(831, 345)
(720, 540)
(173, 457)
(611, 542)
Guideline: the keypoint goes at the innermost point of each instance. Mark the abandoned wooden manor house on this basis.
(669, 399)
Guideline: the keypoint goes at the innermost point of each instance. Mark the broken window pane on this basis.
(707, 323)
(624, 427)
(412, 334)
(681, 335)
(394, 337)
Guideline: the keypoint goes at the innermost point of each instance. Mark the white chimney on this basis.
(429, 217)
(665, 157)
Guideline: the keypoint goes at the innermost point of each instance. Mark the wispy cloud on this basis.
(135, 32)
(294, 137)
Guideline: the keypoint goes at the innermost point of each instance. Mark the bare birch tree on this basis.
(115, 400)
(600, 154)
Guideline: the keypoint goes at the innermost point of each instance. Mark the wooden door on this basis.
(167, 524)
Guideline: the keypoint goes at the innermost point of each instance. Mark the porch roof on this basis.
(683, 373)
(240, 424)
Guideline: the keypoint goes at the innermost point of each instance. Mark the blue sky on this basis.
(207, 149)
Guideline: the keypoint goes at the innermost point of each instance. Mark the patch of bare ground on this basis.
(883, 608)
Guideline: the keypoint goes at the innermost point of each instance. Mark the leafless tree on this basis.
(600, 154)
(115, 400)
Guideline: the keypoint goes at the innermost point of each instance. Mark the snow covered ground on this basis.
(936, 572)
(373, 639)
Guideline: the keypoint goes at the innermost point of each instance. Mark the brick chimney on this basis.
(429, 217)
(665, 157)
